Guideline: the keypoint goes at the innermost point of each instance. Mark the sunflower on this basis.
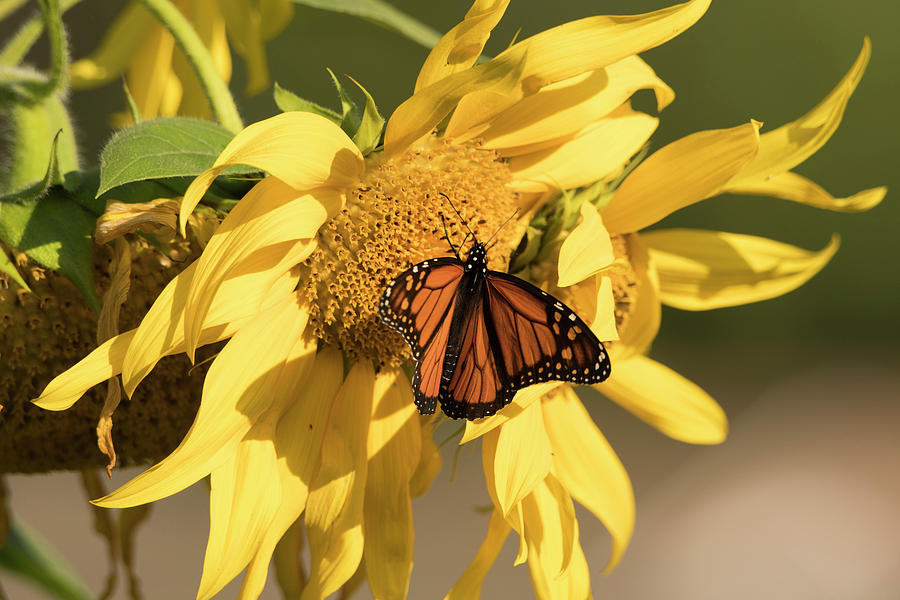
(307, 419)
(159, 77)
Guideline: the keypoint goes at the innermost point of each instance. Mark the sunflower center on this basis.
(393, 219)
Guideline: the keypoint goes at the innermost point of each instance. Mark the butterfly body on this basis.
(478, 336)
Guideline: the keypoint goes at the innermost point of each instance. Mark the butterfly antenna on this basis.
(499, 228)
(461, 220)
(449, 241)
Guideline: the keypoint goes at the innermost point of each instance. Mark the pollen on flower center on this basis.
(392, 220)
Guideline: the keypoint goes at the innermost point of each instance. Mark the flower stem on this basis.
(58, 75)
(220, 100)
(19, 45)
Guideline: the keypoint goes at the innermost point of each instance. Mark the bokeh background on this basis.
(803, 500)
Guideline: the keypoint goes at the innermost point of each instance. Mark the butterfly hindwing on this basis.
(419, 304)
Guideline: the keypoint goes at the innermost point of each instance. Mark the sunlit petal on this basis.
(458, 49)
(646, 312)
(574, 583)
(597, 152)
(797, 188)
(666, 400)
(588, 467)
(334, 512)
(521, 401)
(702, 270)
(551, 530)
(302, 149)
(586, 250)
(522, 458)
(468, 586)
(240, 386)
(679, 174)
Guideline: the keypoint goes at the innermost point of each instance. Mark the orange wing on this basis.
(419, 305)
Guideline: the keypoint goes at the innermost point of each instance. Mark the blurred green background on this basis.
(809, 380)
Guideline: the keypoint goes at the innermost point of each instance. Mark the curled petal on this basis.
(302, 149)
(522, 457)
(678, 175)
(703, 270)
(666, 400)
(586, 250)
(551, 531)
(646, 311)
(797, 188)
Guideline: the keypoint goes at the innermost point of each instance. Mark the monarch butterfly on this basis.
(478, 336)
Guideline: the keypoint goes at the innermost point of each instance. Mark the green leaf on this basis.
(26, 555)
(54, 231)
(288, 101)
(382, 14)
(169, 147)
(368, 135)
(350, 118)
(9, 267)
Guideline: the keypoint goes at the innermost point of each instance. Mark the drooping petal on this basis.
(298, 444)
(586, 250)
(302, 149)
(588, 467)
(797, 188)
(250, 26)
(254, 503)
(703, 270)
(394, 446)
(468, 586)
(334, 511)
(678, 175)
(520, 402)
(786, 147)
(460, 47)
(557, 111)
(106, 361)
(597, 152)
(123, 38)
(666, 400)
(522, 457)
(429, 460)
(240, 386)
(151, 82)
(646, 312)
(551, 530)
(271, 215)
(574, 583)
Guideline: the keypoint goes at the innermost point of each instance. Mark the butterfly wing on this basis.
(516, 336)
(419, 305)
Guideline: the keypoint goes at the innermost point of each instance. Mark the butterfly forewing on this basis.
(419, 305)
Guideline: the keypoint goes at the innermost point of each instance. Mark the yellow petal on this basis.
(98, 366)
(522, 457)
(302, 149)
(680, 174)
(244, 495)
(271, 216)
(250, 25)
(520, 402)
(551, 530)
(797, 188)
(558, 110)
(393, 449)
(334, 511)
(574, 583)
(588, 468)
(702, 270)
(786, 147)
(151, 82)
(586, 250)
(298, 443)
(666, 400)
(458, 49)
(425, 109)
(597, 152)
(646, 311)
(595, 42)
(206, 17)
(240, 386)
(468, 586)
(429, 461)
(121, 42)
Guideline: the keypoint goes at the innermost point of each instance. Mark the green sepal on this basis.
(54, 231)
(350, 117)
(382, 14)
(163, 148)
(368, 134)
(289, 101)
(38, 188)
(31, 558)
